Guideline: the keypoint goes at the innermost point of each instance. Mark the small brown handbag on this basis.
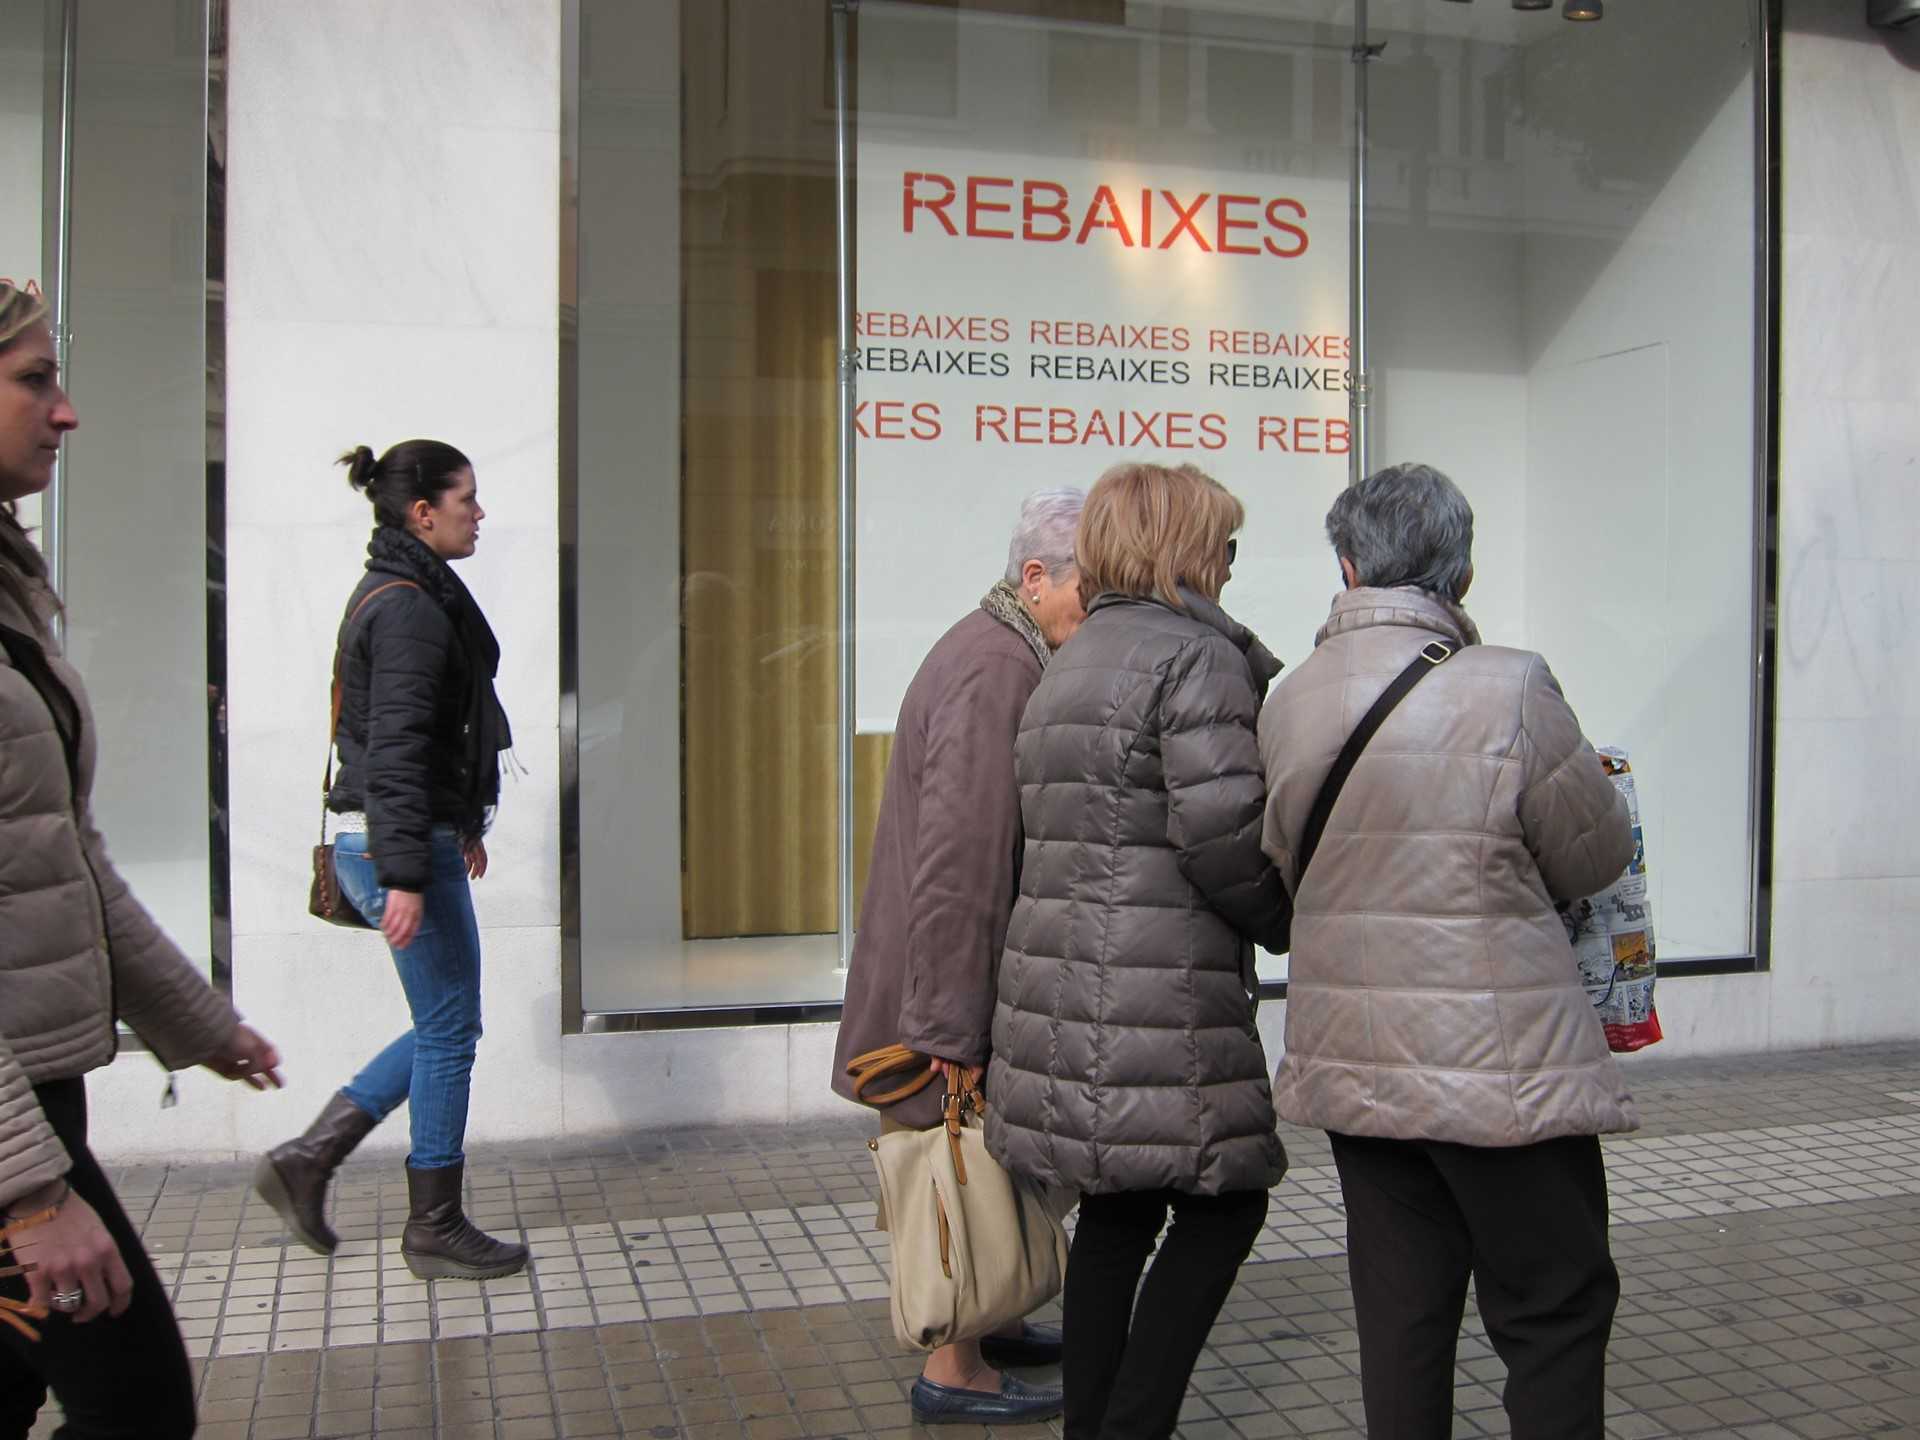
(325, 899)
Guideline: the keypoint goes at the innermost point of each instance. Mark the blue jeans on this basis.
(432, 1064)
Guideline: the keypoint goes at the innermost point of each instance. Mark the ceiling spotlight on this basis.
(1582, 9)
(1533, 4)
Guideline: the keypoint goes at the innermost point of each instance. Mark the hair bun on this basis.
(361, 467)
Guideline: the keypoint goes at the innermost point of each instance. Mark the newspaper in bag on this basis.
(1612, 935)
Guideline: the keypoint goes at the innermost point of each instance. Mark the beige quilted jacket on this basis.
(1432, 993)
(74, 943)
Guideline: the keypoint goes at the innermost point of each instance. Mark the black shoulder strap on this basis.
(1432, 655)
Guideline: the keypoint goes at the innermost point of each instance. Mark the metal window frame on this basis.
(219, 821)
(1767, 27)
(573, 1017)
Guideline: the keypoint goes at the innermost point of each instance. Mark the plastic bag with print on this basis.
(1612, 935)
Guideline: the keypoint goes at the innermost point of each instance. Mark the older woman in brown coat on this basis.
(1436, 1025)
(946, 854)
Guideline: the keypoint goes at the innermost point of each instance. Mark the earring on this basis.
(1035, 597)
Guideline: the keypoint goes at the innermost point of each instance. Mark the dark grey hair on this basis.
(1405, 525)
(1048, 520)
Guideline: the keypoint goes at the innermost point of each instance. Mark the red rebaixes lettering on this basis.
(1046, 212)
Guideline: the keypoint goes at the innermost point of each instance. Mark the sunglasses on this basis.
(1233, 549)
(25, 287)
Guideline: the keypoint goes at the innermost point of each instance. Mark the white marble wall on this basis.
(1847, 851)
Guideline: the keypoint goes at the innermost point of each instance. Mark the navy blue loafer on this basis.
(1036, 1345)
(1014, 1403)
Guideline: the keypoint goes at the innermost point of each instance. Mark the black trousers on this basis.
(1125, 1367)
(124, 1379)
(1529, 1225)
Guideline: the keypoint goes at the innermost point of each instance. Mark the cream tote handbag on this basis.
(974, 1248)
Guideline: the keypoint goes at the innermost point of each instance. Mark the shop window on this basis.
(1140, 226)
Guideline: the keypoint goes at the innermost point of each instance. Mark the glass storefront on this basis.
(703, 510)
(104, 104)
(1073, 231)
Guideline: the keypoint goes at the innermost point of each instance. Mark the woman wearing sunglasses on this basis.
(1125, 1059)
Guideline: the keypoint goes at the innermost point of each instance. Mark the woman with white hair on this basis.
(1436, 1025)
(946, 854)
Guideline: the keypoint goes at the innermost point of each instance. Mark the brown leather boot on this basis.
(293, 1177)
(440, 1243)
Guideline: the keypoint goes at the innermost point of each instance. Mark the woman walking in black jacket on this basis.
(420, 735)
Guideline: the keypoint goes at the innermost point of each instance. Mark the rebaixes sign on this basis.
(1047, 212)
(1026, 317)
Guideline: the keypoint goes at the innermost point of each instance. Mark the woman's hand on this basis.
(951, 1071)
(476, 854)
(248, 1056)
(72, 1251)
(400, 920)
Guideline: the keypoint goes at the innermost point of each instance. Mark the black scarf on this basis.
(395, 552)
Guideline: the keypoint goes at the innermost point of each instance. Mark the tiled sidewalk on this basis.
(727, 1283)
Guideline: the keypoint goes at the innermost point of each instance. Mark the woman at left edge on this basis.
(77, 954)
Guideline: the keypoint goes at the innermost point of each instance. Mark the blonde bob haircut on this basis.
(20, 307)
(1147, 530)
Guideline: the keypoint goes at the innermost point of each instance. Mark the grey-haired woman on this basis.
(1436, 1026)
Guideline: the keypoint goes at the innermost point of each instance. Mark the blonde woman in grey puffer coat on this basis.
(1125, 1063)
(1436, 1025)
(77, 953)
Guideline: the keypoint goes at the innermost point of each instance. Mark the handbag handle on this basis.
(1432, 656)
(333, 724)
(876, 1065)
(865, 1070)
(954, 1106)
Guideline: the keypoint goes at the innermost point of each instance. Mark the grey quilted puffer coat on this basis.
(1124, 1050)
(73, 940)
(1431, 992)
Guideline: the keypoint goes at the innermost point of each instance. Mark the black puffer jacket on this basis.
(420, 727)
(1124, 1050)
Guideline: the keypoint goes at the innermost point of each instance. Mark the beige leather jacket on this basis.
(74, 943)
(1432, 993)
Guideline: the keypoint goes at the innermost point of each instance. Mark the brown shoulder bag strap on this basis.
(333, 724)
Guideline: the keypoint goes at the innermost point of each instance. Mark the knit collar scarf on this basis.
(1002, 602)
(395, 552)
